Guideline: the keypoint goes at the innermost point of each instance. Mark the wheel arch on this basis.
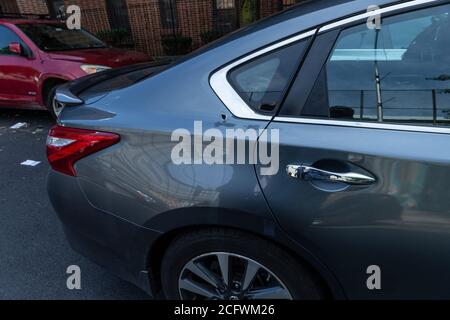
(176, 223)
(47, 84)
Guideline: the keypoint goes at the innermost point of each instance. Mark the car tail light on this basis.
(65, 146)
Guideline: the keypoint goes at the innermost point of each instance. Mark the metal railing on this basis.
(434, 106)
(360, 112)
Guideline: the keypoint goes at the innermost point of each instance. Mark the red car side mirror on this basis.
(15, 47)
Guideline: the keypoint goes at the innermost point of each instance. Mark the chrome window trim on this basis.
(364, 125)
(368, 125)
(374, 13)
(240, 109)
(230, 98)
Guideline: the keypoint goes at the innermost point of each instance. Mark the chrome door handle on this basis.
(310, 173)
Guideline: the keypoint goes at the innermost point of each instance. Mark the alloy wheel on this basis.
(228, 276)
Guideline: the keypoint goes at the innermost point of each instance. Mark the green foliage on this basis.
(249, 12)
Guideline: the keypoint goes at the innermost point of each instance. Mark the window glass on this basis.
(262, 81)
(57, 37)
(398, 73)
(6, 37)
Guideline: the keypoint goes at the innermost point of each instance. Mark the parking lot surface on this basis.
(34, 254)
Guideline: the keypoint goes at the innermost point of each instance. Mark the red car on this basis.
(36, 56)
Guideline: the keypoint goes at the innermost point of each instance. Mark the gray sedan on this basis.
(304, 157)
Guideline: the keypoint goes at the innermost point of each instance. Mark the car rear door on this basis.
(18, 74)
(364, 154)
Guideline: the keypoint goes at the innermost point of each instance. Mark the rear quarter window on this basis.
(262, 82)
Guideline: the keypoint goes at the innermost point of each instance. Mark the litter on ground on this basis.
(30, 163)
(19, 125)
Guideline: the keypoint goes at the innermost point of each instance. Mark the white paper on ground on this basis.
(19, 125)
(30, 163)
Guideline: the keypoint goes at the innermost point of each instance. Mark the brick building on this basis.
(156, 26)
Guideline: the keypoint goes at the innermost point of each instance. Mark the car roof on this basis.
(330, 10)
(18, 20)
(302, 16)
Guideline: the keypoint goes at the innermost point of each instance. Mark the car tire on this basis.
(188, 249)
(50, 102)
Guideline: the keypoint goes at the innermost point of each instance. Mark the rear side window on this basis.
(399, 73)
(6, 38)
(262, 81)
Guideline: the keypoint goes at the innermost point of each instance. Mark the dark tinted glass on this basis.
(262, 82)
(399, 73)
(57, 37)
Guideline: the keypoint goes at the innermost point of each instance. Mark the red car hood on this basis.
(110, 57)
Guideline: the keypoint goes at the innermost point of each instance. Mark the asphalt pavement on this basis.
(34, 254)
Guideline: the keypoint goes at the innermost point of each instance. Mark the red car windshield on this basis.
(57, 37)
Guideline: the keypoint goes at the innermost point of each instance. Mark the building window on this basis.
(225, 16)
(56, 8)
(225, 4)
(118, 14)
(168, 12)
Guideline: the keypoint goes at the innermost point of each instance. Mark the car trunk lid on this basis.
(92, 88)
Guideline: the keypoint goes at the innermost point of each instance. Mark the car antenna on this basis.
(378, 78)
